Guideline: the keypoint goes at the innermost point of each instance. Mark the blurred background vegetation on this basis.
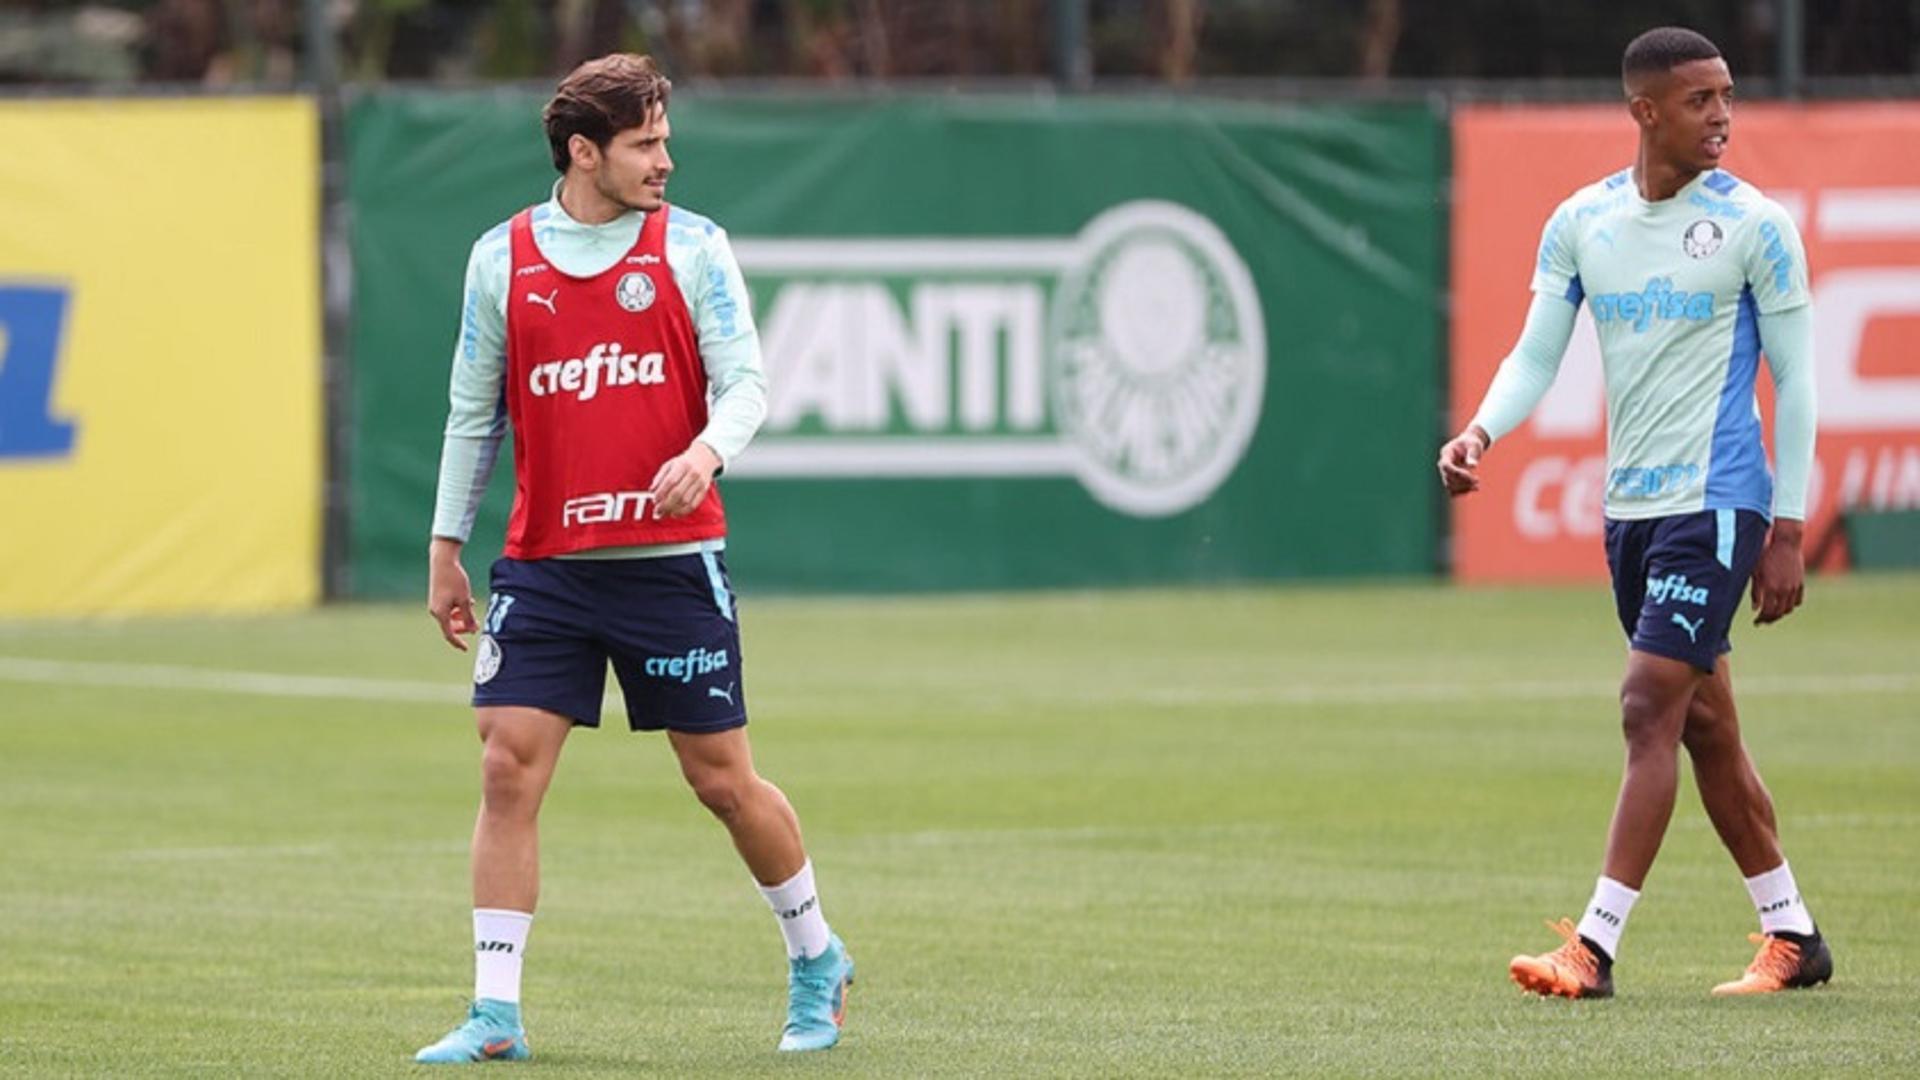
(263, 42)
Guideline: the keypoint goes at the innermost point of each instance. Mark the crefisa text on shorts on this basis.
(685, 668)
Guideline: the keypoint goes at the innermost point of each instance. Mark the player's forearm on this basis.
(730, 351)
(1528, 371)
(739, 398)
(1786, 337)
(466, 464)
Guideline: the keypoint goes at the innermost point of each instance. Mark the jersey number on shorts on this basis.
(497, 606)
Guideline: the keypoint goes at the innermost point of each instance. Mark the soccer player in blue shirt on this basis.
(1690, 274)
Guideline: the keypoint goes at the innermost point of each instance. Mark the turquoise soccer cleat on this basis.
(817, 998)
(492, 1033)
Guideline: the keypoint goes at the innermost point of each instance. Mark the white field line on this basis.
(92, 673)
(1517, 690)
(88, 673)
(993, 836)
(230, 852)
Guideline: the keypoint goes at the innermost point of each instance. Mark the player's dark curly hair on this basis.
(1664, 48)
(601, 98)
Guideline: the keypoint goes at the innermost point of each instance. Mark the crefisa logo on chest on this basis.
(1702, 238)
(634, 292)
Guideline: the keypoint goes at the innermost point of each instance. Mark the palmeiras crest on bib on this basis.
(1702, 238)
(634, 292)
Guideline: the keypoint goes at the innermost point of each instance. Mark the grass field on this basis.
(1225, 833)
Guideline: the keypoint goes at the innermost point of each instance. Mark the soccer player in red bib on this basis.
(610, 332)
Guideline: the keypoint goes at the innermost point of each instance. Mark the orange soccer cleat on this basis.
(1785, 962)
(1577, 969)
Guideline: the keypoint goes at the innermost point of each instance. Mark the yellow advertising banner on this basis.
(160, 373)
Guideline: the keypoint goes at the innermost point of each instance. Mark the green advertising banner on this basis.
(1011, 342)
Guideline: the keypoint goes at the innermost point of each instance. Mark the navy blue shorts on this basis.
(666, 624)
(1678, 581)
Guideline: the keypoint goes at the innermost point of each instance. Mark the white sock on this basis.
(1777, 899)
(499, 944)
(796, 904)
(1606, 915)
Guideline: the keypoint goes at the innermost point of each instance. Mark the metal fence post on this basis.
(1791, 15)
(1072, 60)
(322, 75)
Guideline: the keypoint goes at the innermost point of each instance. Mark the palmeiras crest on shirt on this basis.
(1702, 238)
(634, 292)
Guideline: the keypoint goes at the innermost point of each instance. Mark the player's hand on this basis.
(449, 593)
(1780, 577)
(1460, 460)
(682, 483)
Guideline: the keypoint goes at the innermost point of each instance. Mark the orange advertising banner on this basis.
(1849, 176)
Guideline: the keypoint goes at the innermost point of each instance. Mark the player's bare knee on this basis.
(1706, 731)
(723, 794)
(1647, 720)
(506, 777)
(722, 800)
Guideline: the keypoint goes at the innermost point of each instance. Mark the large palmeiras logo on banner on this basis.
(1131, 357)
(1159, 358)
